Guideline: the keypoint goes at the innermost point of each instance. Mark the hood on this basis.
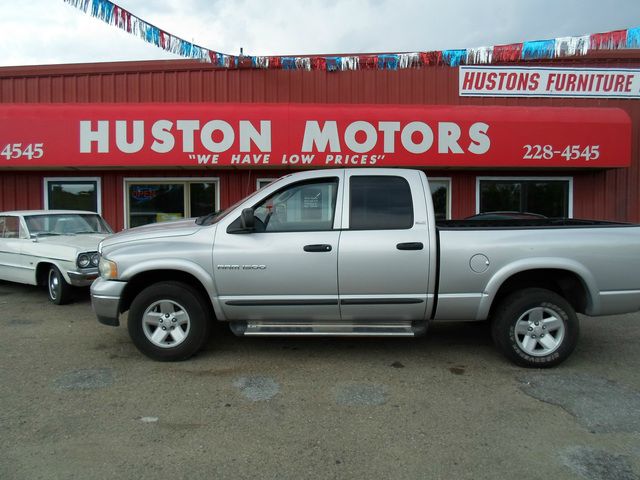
(84, 242)
(155, 230)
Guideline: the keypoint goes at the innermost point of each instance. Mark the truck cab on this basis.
(338, 246)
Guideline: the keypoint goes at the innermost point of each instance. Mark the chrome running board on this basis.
(336, 329)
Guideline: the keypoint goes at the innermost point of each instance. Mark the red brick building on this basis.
(557, 148)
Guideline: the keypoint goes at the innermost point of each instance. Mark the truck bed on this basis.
(477, 256)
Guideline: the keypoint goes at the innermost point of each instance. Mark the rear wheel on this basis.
(59, 290)
(169, 321)
(535, 327)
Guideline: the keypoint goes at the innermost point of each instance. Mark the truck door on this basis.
(383, 259)
(287, 268)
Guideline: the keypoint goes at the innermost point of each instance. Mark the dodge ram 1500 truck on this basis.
(357, 252)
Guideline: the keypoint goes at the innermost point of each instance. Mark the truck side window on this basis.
(380, 203)
(307, 206)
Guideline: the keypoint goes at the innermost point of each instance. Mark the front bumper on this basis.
(105, 300)
(83, 278)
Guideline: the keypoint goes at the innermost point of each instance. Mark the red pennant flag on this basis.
(318, 63)
(608, 40)
(368, 61)
(275, 62)
(431, 58)
(507, 53)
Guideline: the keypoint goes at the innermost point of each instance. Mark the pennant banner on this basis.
(117, 16)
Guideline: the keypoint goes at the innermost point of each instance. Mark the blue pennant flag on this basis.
(538, 49)
(288, 63)
(390, 61)
(95, 8)
(102, 9)
(152, 35)
(333, 64)
(107, 11)
(633, 38)
(185, 49)
(454, 58)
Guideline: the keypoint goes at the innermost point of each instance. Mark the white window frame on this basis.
(264, 179)
(535, 179)
(448, 180)
(98, 180)
(164, 180)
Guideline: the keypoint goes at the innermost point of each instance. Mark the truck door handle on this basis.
(322, 247)
(410, 246)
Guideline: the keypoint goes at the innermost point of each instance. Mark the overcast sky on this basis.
(52, 31)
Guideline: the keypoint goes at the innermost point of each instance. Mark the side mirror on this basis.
(247, 219)
(245, 223)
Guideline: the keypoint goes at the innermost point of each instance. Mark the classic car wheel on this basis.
(59, 290)
(169, 321)
(535, 327)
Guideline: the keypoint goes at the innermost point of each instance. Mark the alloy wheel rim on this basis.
(166, 323)
(539, 331)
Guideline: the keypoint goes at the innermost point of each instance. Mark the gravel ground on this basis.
(79, 401)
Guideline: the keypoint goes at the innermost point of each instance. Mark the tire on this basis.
(535, 328)
(169, 321)
(59, 291)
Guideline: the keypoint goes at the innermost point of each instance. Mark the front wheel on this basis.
(535, 327)
(169, 321)
(57, 287)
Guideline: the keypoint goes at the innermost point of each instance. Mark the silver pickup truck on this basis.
(357, 252)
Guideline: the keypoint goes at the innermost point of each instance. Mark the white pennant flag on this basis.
(569, 46)
(479, 55)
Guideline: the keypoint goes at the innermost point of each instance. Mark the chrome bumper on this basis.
(84, 278)
(105, 300)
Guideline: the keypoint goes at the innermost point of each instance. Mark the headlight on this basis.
(108, 269)
(84, 260)
(88, 259)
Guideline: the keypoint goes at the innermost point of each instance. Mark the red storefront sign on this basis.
(286, 135)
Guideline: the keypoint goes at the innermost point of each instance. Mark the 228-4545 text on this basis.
(570, 152)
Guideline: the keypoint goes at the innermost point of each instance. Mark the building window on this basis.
(551, 197)
(263, 182)
(441, 195)
(72, 194)
(152, 201)
(380, 203)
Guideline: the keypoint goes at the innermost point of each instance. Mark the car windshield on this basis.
(66, 224)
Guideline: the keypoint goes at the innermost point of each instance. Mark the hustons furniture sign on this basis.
(286, 135)
(549, 82)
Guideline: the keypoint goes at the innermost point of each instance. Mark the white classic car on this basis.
(56, 248)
